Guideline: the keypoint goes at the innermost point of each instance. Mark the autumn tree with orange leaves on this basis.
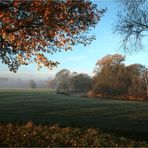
(114, 79)
(31, 28)
(110, 76)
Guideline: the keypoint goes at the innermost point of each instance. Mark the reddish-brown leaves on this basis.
(35, 27)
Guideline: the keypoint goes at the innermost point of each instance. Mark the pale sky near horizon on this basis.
(83, 58)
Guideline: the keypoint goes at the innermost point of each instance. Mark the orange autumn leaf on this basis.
(36, 27)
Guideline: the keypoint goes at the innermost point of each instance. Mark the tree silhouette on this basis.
(32, 84)
(132, 24)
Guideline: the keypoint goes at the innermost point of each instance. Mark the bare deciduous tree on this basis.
(132, 24)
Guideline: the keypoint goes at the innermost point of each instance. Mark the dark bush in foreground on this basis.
(15, 135)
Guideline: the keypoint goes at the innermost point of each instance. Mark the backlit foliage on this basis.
(109, 60)
(114, 78)
(31, 28)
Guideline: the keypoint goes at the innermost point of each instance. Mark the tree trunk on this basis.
(147, 89)
(147, 82)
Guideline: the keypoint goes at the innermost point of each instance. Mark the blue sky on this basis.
(83, 58)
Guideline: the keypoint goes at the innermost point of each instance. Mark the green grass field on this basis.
(47, 107)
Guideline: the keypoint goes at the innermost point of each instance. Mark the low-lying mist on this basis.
(14, 83)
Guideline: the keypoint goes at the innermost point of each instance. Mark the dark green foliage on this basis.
(80, 82)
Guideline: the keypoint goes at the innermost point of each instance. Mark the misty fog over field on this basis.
(13, 83)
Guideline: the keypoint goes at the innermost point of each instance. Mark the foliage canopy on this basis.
(29, 29)
(113, 77)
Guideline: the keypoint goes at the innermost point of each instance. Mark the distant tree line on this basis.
(112, 78)
(17, 83)
(72, 81)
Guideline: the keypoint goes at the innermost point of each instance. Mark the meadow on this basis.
(44, 107)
